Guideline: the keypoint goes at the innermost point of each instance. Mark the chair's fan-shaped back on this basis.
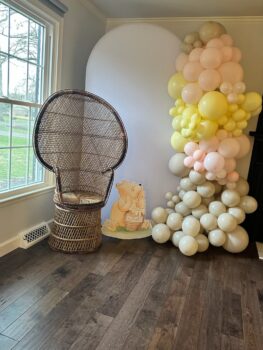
(81, 135)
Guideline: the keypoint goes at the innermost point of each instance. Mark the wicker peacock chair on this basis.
(81, 138)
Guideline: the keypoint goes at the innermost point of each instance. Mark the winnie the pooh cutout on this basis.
(127, 217)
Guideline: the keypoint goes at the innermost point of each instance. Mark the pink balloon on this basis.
(181, 61)
(244, 144)
(199, 155)
(211, 58)
(229, 147)
(192, 71)
(233, 176)
(227, 53)
(189, 162)
(237, 55)
(195, 54)
(231, 72)
(227, 39)
(190, 147)
(214, 162)
(192, 93)
(216, 42)
(221, 134)
(209, 79)
(230, 165)
(199, 166)
(210, 145)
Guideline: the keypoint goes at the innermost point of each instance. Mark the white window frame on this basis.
(52, 76)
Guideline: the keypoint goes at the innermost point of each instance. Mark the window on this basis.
(23, 80)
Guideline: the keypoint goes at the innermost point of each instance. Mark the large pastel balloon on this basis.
(176, 165)
(206, 129)
(231, 72)
(217, 208)
(195, 54)
(174, 221)
(217, 237)
(216, 42)
(196, 177)
(229, 147)
(160, 233)
(252, 101)
(182, 209)
(199, 211)
(230, 198)
(176, 236)
(178, 142)
(192, 71)
(203, 243)
(213, 105)
(186, 184)
(238, 213)
(209, 79)
(210, 145)
(191, 226)
(208, 221)
(214, 162)
(159, 215)
(226, 222)
(211, 58)
(206, 190)
(192, 199)
(230, 165)
(192, 93)
(176, 85)
(188, 245)
(248, 204)
(227, 53)
(227, 39)
(210, 30)
(242, 186)
(236, 240)
(181, 61)
(244, 146)
(190, 148)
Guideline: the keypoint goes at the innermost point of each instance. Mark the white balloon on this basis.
(186, 184)
(199, 211)
(238, 213)
(208, 221)
(161, 233)
(248, 204)
(176, 199)
(191, 226)
(236, 240)
(216, 208)
(181, 194)
(176, 236)
(217, 237)
(168, 196)
(181, 208)
(202, 242)
(227, 222)
(230, 198)
(188, 245)
(207, 189)
(192, 199)
(242, 186)
(196, 178)
(174, 221)
(159, 215)
(170, 204)
(176, 165)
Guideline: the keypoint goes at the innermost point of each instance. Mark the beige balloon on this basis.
(181, 194)
(202, 242)
(170, 204)
(248, 204)
(168, 196)
(174, 221)
(216, 208)
(191, 226)
(181, 208)
(176, 199)
(230, 198)
(207, 189)
(188, 245)
(192, 199)
(186, 184)
(199, 211)
(176, 236)
(238, 213)
(196, 177)
(217, 237)
(176, 165)
(210, 30)
(226, 222)
(161, 233)
(159, 215)
(208, 221)
(237, 240)
(242, 186)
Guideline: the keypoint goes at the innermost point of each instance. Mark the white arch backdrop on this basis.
(130, 67)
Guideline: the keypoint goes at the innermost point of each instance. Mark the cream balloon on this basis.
(236, 240)
(217, 237)
(196, 177)
(192, 199)
(230, 198)
(176, 199)
(210, 30)
(207, 189)
(226, 222)
(199, 211)
(181, 208)
(161, 233)
(181, 194)
(176, 236)
(168, 195)
(191, 226)
(176, 165)
(174, 221)
(242, 187)
(170, 204)
(208, 221)
(238, 213)
(169, 210)
(188, 245)
(159, 215)
(202, 242)
(216, 208)
(248, 204)
(186, 184)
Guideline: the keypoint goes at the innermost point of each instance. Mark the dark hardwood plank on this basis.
(232, 322)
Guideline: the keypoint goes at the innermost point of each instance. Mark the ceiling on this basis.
(178, 8)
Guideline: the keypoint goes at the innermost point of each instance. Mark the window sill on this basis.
(24, 196)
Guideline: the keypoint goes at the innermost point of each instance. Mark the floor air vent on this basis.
(34, 235)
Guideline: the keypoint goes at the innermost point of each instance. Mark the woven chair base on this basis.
(76, 231)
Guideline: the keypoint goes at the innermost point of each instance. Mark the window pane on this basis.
(35, 43)
(18, 166)
(3, 74)
(18, 34)
(35, 170)
(34, 113)
(4, 169)
(20, 126)
(5, 119)
(17, 79)
(4, 13)
(34, 83)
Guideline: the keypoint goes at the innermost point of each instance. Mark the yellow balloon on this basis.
(252, 101)
(176, 123)
(242, 124)
(206, 129)
(178, 141)
(213, 105)
(239, 115)
(237, 132)
(230, 125)
(256, 112)
(176, 85)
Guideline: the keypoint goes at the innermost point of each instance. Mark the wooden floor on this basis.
(131, 295)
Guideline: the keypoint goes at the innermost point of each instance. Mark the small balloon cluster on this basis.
(211, 110)
(208, 88)
(203, 212)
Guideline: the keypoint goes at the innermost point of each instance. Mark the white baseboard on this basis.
(15, 242)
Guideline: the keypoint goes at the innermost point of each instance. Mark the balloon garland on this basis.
(211, 111)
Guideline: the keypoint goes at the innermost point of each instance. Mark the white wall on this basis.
(247, 34)
(83, 26)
